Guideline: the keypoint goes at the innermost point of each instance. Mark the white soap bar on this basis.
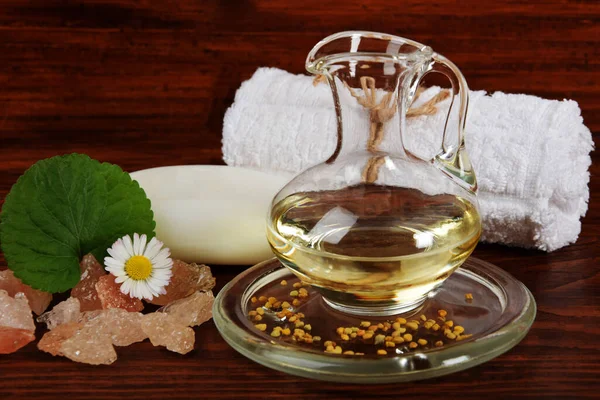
(212, 214)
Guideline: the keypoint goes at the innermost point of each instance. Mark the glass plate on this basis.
(498, 317)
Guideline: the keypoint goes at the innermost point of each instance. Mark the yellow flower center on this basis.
(138, 268)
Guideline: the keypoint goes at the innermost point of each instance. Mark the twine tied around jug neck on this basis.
(381, 112)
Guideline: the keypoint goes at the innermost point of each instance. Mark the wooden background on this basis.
(146, 83)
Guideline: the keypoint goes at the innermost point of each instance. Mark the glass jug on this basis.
(375, 228)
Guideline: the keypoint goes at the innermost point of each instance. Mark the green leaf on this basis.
(63, 208)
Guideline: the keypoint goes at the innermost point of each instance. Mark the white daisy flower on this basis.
(143, 270)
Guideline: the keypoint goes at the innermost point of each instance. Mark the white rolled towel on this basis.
(530, 155)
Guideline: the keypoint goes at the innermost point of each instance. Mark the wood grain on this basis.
(146, 83)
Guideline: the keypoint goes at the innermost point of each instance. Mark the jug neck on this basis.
(373, 78)
(370, 108)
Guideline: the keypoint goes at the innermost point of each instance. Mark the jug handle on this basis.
(452, 158)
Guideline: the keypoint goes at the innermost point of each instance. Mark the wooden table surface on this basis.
(146, 83)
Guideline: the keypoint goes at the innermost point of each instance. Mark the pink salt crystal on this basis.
(52, 341)
(186, 279)
(89, 315)
(88, 348)
(123, 327)
(16, 322)
(12, 339)
(15, 312)
(163, 330)
(63, 312)
(38, 300)
(192, 310)
(88, 340)
(85, 290)
(109, 293)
